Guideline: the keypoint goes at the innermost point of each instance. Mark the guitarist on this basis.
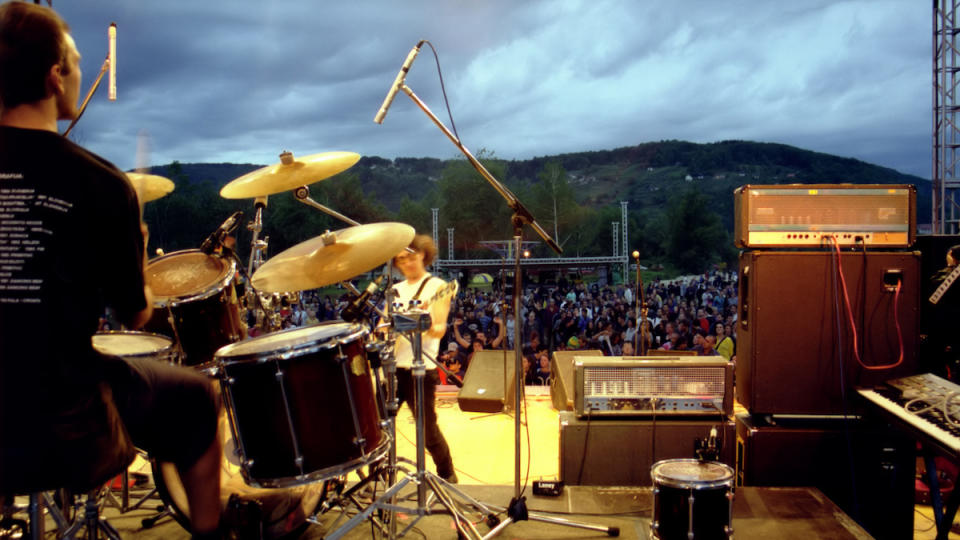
(421, 285)
(943, 338)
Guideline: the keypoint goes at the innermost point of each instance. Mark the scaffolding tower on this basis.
(946, 131)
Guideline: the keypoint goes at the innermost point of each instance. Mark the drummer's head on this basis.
(38, 59)
(424, 251)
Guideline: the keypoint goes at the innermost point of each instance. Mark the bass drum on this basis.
(284, 510)
(195, 303)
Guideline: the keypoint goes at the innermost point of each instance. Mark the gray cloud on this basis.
(242, 80)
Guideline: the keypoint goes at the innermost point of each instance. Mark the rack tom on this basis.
(195, 302)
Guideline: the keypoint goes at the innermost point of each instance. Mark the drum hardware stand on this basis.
(176, 335)
(258, 248)
(517, 510)
(302, 194)
(414, 322)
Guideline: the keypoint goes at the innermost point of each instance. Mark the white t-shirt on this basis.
(405, 291)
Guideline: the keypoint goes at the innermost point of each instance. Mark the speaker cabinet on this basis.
(795, 352)
(863, 466)
(561, 383)
(490, 382)
(607, 452)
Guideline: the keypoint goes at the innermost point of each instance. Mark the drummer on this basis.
(421, 285)
(74, 245)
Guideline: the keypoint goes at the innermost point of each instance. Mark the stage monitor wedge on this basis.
(487, 386)
(561, 383)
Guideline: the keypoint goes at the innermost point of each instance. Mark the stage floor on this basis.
(482, 446)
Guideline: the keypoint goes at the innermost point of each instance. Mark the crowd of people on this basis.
(687, 315)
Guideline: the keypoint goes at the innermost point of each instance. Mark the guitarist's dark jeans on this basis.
(435, 443)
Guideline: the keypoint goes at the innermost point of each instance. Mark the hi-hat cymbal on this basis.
(289, 174)
(150, 187)
(333, 257)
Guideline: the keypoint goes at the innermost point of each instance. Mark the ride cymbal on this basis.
(333, 257)
(150, 187)
(289, 174)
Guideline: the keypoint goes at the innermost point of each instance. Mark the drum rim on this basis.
(223, 359)
(216, 287)
(340, 469)
(660, 479)
(166, 349)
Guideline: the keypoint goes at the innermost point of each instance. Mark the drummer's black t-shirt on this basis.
(70, 245)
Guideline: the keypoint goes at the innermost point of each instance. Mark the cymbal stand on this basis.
(517, 510)
(302, 194)
(258, 248)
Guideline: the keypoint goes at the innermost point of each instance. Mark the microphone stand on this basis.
(93, 88)
(641, 309)
(517, 509)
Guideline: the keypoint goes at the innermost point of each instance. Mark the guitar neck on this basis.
(947, 282)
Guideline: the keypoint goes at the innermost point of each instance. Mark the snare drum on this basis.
(198, 291)
(691, 499)
(134, 345)
(302, 405)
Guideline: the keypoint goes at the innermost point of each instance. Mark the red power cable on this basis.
(853, 324)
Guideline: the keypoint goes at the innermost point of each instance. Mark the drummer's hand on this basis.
(458, 321)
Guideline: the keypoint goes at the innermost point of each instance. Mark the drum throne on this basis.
(69, 463)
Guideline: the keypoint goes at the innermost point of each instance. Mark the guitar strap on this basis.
(420, 290)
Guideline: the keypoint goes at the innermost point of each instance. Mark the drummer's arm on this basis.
(136, 320)
(140, 318)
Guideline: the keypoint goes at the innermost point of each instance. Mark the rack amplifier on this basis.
(798, 215)
(653, 386)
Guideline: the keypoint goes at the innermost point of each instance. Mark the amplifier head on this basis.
(809, 215)
(652, 386)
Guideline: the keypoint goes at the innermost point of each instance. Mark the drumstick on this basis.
(142, 164)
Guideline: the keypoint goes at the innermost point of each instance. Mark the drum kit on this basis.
(304, 405)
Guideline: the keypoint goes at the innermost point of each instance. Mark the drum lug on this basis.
(279, 375)
(298, 461)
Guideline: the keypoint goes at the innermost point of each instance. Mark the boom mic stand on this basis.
(517, 509)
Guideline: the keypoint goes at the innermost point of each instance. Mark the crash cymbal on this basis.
(150, 187)
(289, 174)
(333, 257)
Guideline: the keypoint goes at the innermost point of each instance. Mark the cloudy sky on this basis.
(242, 80)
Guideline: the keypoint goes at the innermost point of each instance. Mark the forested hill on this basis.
(679, 194)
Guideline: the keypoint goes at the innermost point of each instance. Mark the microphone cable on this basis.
(443, 89)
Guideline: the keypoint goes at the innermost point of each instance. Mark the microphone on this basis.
(112, 36)
(354, 310)
(392, 93)
(216, 237)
